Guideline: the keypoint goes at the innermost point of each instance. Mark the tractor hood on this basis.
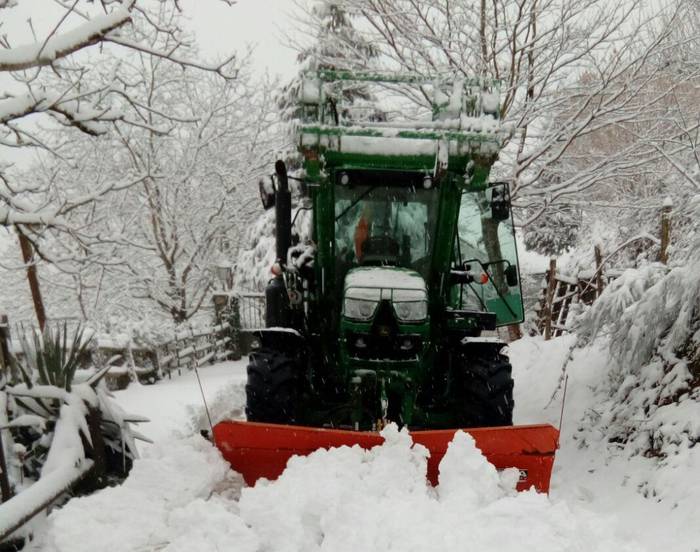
(383, 282)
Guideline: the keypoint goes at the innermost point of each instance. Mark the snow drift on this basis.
(185, 498)
(626, 445)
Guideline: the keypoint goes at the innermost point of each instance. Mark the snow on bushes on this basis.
(47, 412)
(182, 497)
(252, 270)
(650, 319)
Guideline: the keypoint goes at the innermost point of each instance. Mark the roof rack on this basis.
(465, 121)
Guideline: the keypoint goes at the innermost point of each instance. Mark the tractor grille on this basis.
(364, 346)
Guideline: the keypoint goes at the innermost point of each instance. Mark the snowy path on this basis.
(175, 405)
(182, 496)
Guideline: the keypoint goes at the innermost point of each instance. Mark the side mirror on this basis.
(461, 274)
(266, 187)
(498, 196)
(511, 274)
(458, 277)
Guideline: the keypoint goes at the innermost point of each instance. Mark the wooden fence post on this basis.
(665, 230)
(549, 298)
(514, 332)
(5, 372)
(5, 366)
(234, 320)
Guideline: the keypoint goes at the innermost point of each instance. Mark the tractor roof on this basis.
(464, 125)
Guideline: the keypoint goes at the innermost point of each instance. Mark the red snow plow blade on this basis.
(258, 450)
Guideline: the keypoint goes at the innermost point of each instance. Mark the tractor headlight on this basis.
(411, 311)
(359, 309)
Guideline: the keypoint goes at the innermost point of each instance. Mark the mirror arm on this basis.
(299, 210)
(500, 295)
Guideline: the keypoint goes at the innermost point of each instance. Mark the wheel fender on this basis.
(285, 340)
(492, 345)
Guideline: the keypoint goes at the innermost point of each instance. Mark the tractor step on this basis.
(257, 450)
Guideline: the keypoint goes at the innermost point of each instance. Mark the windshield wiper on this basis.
(359, 198)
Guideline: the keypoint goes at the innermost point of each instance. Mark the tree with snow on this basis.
(539, 51)
(148, 248)
(46, 76)
(62, 80)
(336, 45)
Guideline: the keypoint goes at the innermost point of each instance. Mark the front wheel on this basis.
(487, 390)
(272, 390)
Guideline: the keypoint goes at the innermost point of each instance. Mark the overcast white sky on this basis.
(261, 23)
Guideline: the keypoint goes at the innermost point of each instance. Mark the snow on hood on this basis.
(382, 282)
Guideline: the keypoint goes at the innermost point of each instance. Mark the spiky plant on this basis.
(47, 370)
(51, 359)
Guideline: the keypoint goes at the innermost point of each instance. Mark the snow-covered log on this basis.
(25, 505)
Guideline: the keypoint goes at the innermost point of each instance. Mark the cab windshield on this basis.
(380, 224)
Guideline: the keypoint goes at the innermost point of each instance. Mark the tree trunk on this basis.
(549, 299)
(665, 231)
(32, 279)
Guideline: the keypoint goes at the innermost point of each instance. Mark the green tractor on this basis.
(381, 316)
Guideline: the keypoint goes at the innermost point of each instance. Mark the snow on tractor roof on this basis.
(464, 117)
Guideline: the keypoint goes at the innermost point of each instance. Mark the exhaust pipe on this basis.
(283, 213)
(277, 309)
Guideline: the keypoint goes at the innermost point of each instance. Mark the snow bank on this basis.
(649, 400)
(627, 449)
(174, 406)
(184, 498)
(166, 503)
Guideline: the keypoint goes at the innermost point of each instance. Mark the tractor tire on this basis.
(487, 390)
(273, 387)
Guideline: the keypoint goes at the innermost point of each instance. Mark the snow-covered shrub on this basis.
(650, 310)
(554, 232)
(651, 317)
(611, 313)
(252, 270)
(48, 416)
(253, 267)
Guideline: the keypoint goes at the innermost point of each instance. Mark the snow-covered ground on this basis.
(175, 406)
(601, 477)
(182, 496)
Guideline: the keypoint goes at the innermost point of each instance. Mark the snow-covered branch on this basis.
(54, 48)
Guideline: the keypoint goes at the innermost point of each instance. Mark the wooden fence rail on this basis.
(561, 292)
(188, 347)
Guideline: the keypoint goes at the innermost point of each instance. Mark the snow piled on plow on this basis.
(184, 497)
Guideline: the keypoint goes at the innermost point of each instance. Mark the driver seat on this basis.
(380, 250)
